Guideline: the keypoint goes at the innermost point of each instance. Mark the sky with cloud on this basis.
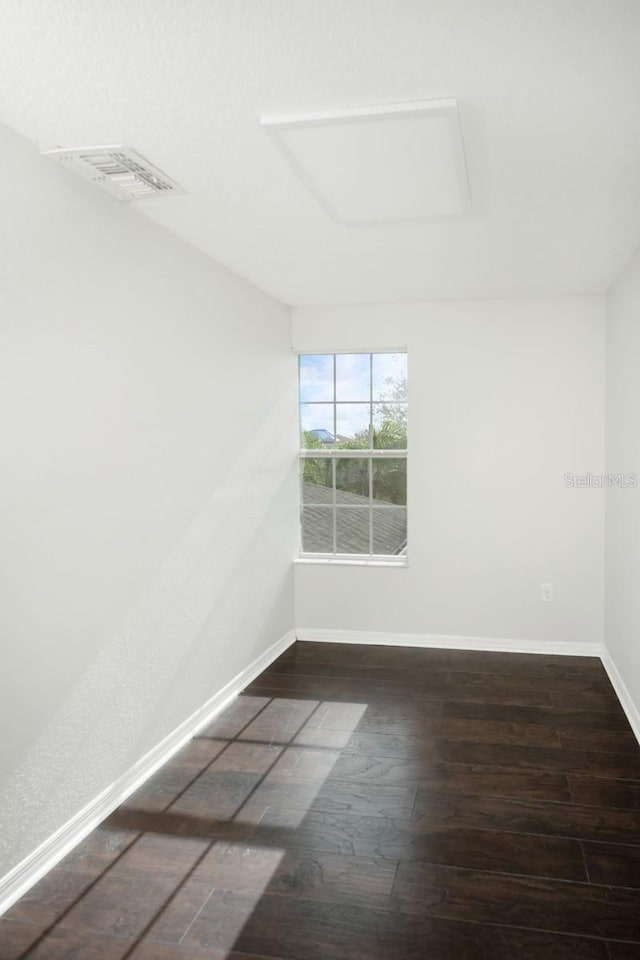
(358, 378)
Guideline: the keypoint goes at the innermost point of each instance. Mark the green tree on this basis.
(388, 432)
(390, 416)
(316, 470)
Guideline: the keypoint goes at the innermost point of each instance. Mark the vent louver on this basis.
(119, 170)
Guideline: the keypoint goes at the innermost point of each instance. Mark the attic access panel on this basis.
(401, 161)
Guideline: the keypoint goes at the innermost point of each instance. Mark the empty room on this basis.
(320, 479)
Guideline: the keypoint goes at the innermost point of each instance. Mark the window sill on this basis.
(352, 562)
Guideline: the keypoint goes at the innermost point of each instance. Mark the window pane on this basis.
(390, 530)
(316, 378)
(352, 530)
(390, 481)
(353, 376)
(352, 425)
(352, 481)
(390, 426)
(317, 530)
(316, 479)
(390, 377)
(316, 425)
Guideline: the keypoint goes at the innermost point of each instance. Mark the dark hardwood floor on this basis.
(370, 803)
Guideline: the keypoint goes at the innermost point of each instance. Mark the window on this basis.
(353, 457)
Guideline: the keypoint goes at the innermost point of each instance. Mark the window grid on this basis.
(369, 453)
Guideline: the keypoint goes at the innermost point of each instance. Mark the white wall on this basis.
(504, 399)
(147, 483)
(622, 583)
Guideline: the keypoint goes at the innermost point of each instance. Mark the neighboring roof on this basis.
(390, 523)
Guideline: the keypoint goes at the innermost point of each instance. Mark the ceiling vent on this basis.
(119, 170)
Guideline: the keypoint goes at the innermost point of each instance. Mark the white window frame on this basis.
(366, 453)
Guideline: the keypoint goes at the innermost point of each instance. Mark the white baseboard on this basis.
(16, 883)
(501, 645)
(618, 684)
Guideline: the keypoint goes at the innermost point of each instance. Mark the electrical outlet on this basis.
(546, 592)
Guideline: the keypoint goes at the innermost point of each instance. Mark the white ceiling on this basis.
(549, 97)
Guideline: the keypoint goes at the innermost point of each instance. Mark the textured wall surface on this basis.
(622, 591)
(548, 95)
(504, 399)
(147, 484)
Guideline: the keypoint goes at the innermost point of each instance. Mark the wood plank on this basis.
(615, 865)
(577, 908)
